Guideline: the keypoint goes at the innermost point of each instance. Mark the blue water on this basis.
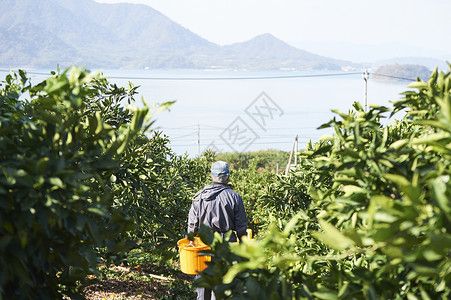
(249, 114)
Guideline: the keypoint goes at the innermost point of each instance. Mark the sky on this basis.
(369, 29)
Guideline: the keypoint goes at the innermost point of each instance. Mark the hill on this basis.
(41, 34)
(428, 62)
(402, 72)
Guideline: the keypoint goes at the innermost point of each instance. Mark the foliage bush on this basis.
(155, 187)
(268, 160)
(81, 182)
(373, 213)
(56, 155)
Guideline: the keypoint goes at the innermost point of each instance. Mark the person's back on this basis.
(220, 208)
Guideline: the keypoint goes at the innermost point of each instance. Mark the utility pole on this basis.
(296, 151)
(198, 138)
(365, 76)
(287, 170)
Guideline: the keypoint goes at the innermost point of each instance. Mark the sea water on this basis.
(245, 111)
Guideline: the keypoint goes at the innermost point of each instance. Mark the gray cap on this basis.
(220, 168)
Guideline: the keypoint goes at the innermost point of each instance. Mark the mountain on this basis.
(141, 26)
(44, 33)
(29, 46)
(95, 34)
(267, 46)
(54, 33)
(267, 52)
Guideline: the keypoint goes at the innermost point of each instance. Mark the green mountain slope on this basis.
(45, 33)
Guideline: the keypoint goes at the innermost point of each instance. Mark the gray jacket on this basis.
(220, 208)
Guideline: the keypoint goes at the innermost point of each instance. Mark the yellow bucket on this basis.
(190, 261)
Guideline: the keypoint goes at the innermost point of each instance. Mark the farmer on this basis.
(220, 208)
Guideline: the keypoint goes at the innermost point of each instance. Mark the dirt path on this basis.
(141, 283)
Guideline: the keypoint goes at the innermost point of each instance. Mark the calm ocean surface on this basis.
(228, 113)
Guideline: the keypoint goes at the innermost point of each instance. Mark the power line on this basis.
(394, 77)
(261, 140)
(219, 143)
(235, 78)
(194, 127)
(215, 78)
(162, 128)
(232, 78)
(183, 136)
(194, 144)
(28, 72)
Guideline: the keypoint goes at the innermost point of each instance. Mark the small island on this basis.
(398, 72)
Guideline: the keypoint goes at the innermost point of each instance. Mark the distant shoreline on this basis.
(404, 72)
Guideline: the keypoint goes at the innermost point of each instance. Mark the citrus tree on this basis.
(375, 219)
(60, 142)
(84, 180)
(155, 187)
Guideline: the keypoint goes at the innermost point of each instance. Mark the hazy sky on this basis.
(317, 23)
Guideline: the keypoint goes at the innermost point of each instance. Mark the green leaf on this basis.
(418, 85)
(436, 124)
(56, 181)
(431, 255)
(100, 123)
(164, 106)
(325, 295)
(8, 226)
(206, 234)
(439, 189)
(332, 237)
(121, 143)
(352, 189)
(398, 144)
(253, 287)
(431, 138)
(99, 211)
(238, 268)
(386, 217)
(291, 224)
